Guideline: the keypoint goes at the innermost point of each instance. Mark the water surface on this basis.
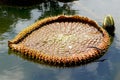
(13, 20)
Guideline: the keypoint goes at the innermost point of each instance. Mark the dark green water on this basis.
(13, 20)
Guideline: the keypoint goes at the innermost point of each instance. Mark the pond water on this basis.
(13, 20)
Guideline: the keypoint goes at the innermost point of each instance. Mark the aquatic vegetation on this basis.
(62, 40)
(108, 24)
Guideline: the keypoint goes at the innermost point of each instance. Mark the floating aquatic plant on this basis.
(62, 40)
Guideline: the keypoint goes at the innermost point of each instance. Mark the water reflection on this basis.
(53, 8)
(12, 75)
(25, 3)
(10, 15)
(21, 2)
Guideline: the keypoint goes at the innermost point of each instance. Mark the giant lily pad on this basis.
(62, 40)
